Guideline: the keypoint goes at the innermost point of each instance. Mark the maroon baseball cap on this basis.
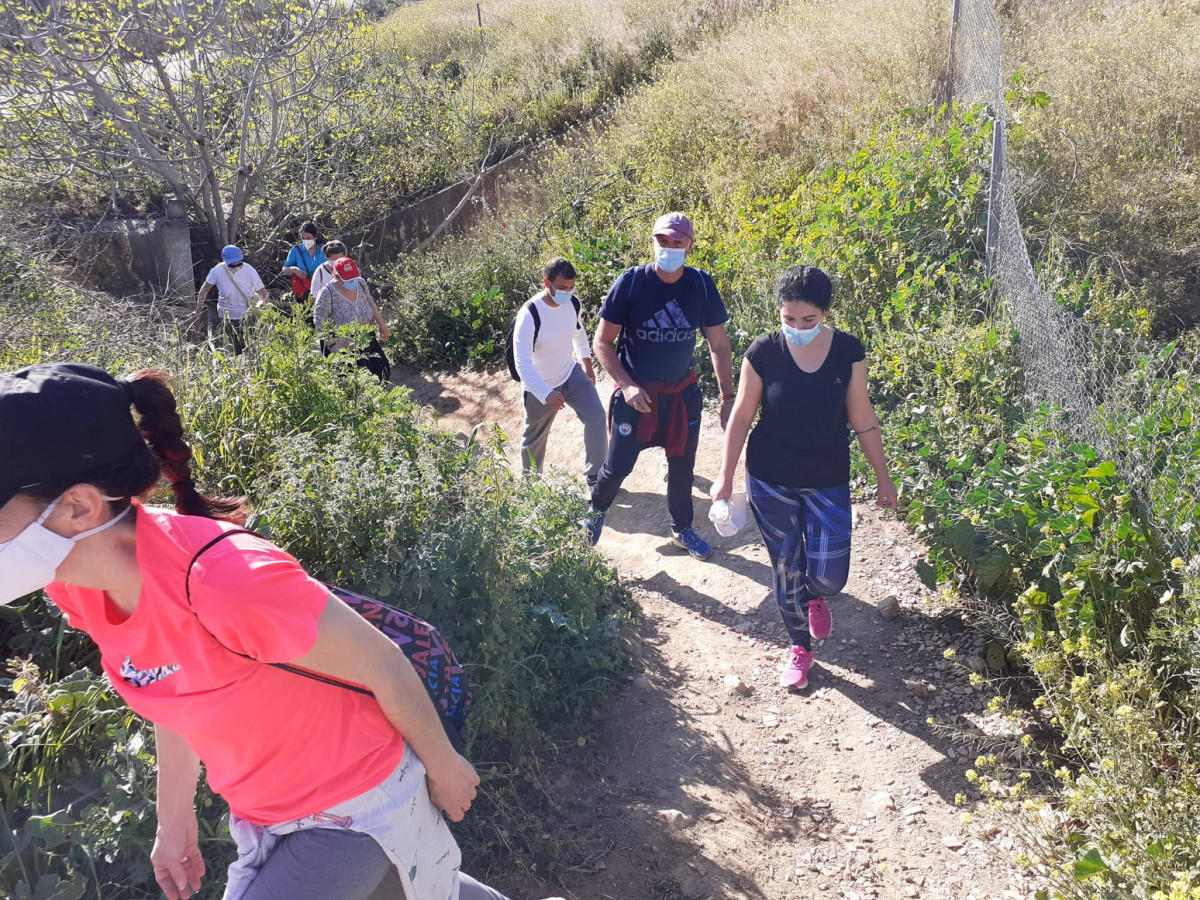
(674, 225)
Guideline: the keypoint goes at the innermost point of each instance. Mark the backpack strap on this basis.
(632, 270)
(575, 303)
(537, 322)
(237, 287)
(296, 670)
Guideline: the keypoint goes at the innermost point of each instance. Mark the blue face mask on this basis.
(350, 284)
(801, 336)
(669, 259)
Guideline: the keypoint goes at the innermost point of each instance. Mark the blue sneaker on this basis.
(593, 524)
(688, 540)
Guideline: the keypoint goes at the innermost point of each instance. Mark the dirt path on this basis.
(711, 790)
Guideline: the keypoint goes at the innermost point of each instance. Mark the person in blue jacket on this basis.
(302, 262)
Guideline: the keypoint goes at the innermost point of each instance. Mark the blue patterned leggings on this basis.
(807, 533)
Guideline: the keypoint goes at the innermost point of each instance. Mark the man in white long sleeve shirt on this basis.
(548, 335)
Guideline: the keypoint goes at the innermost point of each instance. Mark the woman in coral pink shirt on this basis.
(331, 792)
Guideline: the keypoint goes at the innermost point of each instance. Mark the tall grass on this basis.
(533, 68)
(746, 116)
(803, 83)
(1111, 159)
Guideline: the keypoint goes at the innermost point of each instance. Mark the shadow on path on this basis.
(664, 790)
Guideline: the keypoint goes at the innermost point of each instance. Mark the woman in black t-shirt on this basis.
(810, 381)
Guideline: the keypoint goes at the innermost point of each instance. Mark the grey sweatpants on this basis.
(581, 396)
(332, 864)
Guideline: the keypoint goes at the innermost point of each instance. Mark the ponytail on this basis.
(160, 425)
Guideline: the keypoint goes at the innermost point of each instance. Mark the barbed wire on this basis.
(1135, 401)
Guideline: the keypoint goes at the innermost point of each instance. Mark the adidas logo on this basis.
(668, 326)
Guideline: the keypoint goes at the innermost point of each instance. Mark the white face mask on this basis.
(30, 560)
(669, 259)
(309, 243)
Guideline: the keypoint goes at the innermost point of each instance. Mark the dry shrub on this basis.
(522, 32)
(1111, 160)
(806, 80)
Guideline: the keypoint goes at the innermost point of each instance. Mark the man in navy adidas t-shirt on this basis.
(656, 310)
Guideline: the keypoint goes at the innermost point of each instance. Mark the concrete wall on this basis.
(126, 257)
(506, 186)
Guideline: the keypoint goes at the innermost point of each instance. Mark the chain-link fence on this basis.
(1136, 402)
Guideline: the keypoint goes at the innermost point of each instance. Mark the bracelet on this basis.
(867, 430)
(725, 398)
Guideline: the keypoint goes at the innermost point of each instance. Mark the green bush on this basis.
(450, 533)
(41, 319)
(1123, 818)
(77, 801)
(459, 301)
(347, 475)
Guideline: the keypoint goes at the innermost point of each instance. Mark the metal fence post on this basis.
(993, 221)
(950, 54)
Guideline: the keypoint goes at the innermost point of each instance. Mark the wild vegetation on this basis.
(264, 115)
(843, 158)
(403, 511)
(1111, 157)
(1058, 563)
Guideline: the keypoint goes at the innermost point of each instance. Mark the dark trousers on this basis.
(624, 448)
(371, 357)
(807, 534)
(233, 329)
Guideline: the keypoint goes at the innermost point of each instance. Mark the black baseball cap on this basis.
(58, 420)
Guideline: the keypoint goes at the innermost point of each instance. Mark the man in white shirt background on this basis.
(548, 335)
(236, 282)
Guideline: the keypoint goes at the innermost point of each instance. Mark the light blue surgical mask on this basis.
(669, 259)
(801, 336)
(561, 297)
(350, 284)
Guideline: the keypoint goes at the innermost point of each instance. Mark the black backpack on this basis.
(509, 355)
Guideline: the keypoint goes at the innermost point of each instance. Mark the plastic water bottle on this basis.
(722, 518)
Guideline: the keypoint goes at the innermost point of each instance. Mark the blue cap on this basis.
(231, 254)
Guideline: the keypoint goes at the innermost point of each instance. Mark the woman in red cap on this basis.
(346, 300)
(331, 792)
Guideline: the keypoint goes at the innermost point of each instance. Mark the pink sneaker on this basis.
(820, 623)
(795, 668)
